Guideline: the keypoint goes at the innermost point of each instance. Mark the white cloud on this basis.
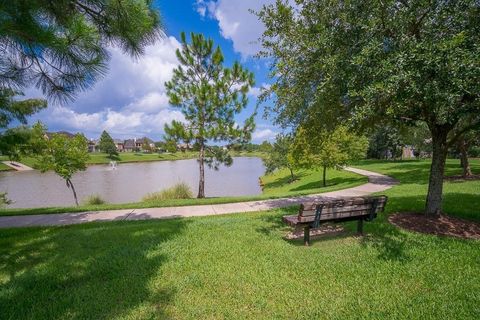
(130, 101)
(236, 22)
(260, 135)
(121, 124)
(151, 102)
(256, 91)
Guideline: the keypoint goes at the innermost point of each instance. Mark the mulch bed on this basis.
(442, 225)
(462, 178)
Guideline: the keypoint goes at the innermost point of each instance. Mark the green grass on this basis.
(239, 266)
(235, 267)
(276, 186)
(128, 157)
(308, 182)
(178, 191)
(4, 167)
(461, 198)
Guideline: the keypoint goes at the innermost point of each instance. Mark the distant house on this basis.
(129, 145)
(147, 142)
(93, 146)
(408, 152)
(184, 147)
(119, 144)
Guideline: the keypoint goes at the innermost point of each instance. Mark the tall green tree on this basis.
(312, 148)
(369, 61)
(62, 154)
(107, 145)
(279, 155)
(209, 96)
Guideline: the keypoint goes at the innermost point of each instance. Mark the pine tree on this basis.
(107, 145)
(209, 96)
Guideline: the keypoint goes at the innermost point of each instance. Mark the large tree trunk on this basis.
(435, 184)
(70, 185)
(463, 148)
(201, 162)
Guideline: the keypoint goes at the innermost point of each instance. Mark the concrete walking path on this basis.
(377, 182)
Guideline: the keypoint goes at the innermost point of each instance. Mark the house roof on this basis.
(129, 143)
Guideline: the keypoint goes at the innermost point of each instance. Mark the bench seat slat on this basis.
(338, 203)
(337, 215)
(363, 207)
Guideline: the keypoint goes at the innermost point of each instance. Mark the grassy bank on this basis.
(275, 186)
(240, 267)
(128, 157)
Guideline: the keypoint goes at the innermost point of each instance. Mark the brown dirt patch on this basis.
(462, 178)
(442, 225)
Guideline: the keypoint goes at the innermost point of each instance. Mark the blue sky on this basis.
(130, 101)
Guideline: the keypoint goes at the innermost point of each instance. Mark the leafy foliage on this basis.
(61, 154)
(325, 150)
(4, 201)
(60, 46)
(209, 96)
(368, 61)
(279, 155)
(107, 145)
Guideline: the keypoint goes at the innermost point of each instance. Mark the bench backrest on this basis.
(341, 208)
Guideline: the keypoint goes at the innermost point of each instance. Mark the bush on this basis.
(94, 199)
(178, 191)
(4, 201)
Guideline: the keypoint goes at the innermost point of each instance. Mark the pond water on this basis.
(129, 182)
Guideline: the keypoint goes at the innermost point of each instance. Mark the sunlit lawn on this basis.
(239, 266)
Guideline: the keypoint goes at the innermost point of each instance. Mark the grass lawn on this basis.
(239, 266)
(4, 167)
(308, 182)
(275, 186)
(461, 199)
(125, 157)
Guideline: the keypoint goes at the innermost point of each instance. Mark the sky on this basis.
(131, 101)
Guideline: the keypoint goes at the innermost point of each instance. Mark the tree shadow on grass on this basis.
(98, 271)
(280, 182)
(319, 184)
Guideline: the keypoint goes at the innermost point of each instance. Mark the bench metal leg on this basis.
(306, 236)
(360, 227)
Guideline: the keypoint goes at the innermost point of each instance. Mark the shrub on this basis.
(94, 199)
(178, 191)
(4, 201)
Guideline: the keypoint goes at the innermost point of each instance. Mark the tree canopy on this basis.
(61, 46)
(362, 62)
(62, 154)
(107, 145)
(209, 95)
(279, 155)
(323, 149)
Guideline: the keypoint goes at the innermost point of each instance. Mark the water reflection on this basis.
(129, 182)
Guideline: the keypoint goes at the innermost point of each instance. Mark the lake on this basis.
(129, 182)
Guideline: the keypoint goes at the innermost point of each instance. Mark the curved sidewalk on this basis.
(377, 182)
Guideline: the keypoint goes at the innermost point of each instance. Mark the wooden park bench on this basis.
(313, 214)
